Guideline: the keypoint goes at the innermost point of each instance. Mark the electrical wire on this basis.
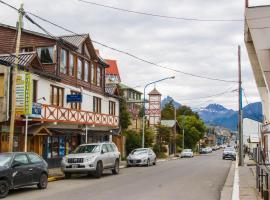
(158, 15)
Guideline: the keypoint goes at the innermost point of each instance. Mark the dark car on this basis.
(230, 153)
(22, 169)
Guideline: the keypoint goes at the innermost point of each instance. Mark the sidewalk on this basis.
(247, 181)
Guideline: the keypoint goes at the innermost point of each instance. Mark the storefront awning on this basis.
(39, 130)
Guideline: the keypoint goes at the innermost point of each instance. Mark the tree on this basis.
(133, 140)
(187, 111)
(149, 137)
(194, 130)
(168, 111)
(163, 137)
(124, 115)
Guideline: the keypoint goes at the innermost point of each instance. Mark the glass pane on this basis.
(62, 146)
(92, 73)
(79, 74)
(22, 159)
(34, 158)
(45, 54)
(86, 68)
(71, 65)
(98, 76)
(55, 147)
(63, 63)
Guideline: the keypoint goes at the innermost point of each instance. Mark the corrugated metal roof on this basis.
(24, 58)
(75, 40)
(168, 123)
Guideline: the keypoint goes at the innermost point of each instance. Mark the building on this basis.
(112, 72)
(175, 129)
(67, 82)
(257, 42)
(153, 112)
(251, 132)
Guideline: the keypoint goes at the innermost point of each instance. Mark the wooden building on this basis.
(60, 68)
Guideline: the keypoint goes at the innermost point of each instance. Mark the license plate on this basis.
(74, 166)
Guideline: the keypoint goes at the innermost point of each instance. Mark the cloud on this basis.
(204, 48)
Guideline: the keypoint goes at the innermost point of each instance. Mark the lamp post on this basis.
(143, 126)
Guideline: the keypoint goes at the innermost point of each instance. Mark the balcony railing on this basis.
(51, 113)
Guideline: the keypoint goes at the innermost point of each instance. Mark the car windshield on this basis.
(5, 160)
(139, 151)
(187, 150)
(229, 149)
(87, 149)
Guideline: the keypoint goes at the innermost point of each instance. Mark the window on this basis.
(94, 74)
(57, 96)
(96, 105)
(45, 55)
(27, 49)
(111, 108)
(35, 91)
(63, 61)
(104, 148)
(21, 159)
(76, 105)
(98, 76)
(71, 64)
(79, 72)
(2, 85)
(86, 71)
(109, 147)
(34, 158)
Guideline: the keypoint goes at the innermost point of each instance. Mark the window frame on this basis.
(97, 105)
(53, 54)
(112, 108)
(75, 105)
(58, 102)
(66, 61)
(79, 60)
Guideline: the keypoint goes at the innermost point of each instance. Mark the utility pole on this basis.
(14, 79)
(240, 112)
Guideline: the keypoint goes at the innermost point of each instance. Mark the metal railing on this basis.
(262, 173)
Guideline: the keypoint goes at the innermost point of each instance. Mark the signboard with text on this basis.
(73, 98)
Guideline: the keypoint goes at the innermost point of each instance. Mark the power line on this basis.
(158, 15)
(115, 49)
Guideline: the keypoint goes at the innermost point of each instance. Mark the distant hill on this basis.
(217, 115)
(169, 99)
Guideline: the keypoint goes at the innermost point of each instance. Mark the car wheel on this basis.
(99, 170)
(155, 162)
(43, 181)
(116, 170)
(67, 175)
(4, 188)
(148, 162)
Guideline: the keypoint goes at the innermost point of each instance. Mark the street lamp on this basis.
(171, 77)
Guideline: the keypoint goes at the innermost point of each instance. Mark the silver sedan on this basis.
(141, 157)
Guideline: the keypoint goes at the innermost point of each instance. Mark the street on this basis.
(201, 177)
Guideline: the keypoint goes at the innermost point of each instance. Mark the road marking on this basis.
(235, 194)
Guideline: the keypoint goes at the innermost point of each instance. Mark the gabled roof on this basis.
(154, 92)
(113, 68)
(25, 59)
(75, 40)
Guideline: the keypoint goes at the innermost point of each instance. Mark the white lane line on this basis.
(235, 195)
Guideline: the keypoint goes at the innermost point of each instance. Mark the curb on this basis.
(227, 190)
(55, 178)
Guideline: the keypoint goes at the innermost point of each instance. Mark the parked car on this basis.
(186, 153)
(22, 169)
(206, 150)
(229, 152)
(141, 156)
(92, 159)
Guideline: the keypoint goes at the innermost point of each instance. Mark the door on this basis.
(151, 155)
(22, 170)
(111, 155)
(105, 156)
(37, 166)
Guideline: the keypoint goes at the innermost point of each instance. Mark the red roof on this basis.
(113, 68)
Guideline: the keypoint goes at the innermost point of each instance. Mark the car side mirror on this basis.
(102, 151)
(16, 164)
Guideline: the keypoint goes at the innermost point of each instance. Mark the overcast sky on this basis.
(204, 48)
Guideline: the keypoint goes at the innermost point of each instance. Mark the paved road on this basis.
(199, 178)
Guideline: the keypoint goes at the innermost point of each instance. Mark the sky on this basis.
(202, 48)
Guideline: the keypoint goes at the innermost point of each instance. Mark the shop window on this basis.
(96, 105)
(45, 55)
(63, 61)
(57, 96)
(111, 108)
(2, 85)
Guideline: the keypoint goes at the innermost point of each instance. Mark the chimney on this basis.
(246, 3)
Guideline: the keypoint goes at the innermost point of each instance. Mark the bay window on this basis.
(71, 64)
(63, 61)
(86, 71)
(79, 70)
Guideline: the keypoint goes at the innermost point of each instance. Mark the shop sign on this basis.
(73, 98)
(36, 110)
(23, 94)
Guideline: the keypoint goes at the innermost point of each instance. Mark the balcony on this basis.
(51, 113)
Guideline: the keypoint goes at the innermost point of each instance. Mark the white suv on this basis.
(92, 158)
